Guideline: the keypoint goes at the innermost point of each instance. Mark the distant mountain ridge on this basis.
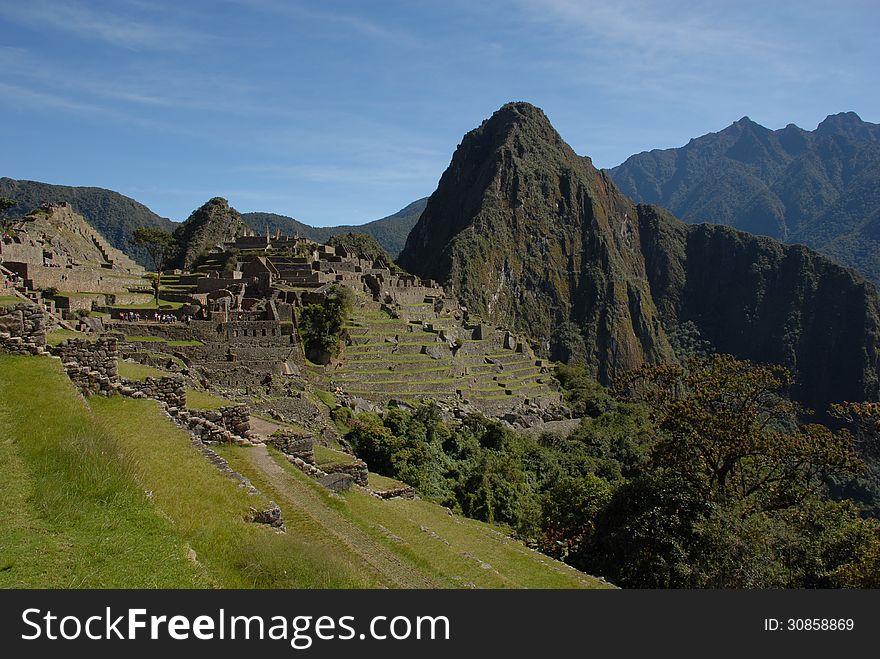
(113, 214)
(820, 188)
(530, 235)
(116, 216)
(390, 231)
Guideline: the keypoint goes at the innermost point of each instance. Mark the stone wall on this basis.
(68, 279)
(100, 354)
(295, 445)
(79, 301)
(170, 389)
(90, 365)
(206, 430)
(22, 329)
(234, 418)
(357, 470)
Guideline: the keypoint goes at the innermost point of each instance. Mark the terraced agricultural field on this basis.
(411, 358)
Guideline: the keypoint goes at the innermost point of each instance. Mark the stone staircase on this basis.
(111, 255)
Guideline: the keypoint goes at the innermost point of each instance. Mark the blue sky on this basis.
(343, 112)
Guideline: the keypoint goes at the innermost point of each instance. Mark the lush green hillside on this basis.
(530, 234)
(110, 493)
(391, 231)
(114, 215)
(820, 188)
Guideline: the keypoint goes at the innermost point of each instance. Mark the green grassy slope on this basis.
(116, 496)
(413, 543)
(74, 513)
(110, 493)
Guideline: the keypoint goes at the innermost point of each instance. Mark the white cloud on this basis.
(87, 23)
(352, 22)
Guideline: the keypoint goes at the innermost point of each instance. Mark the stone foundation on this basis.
(294, 445)
(170, 390)
(357, 470)
(22, 329)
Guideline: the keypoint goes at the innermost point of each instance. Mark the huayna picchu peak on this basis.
(531, 235)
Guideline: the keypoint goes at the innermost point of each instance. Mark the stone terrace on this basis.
(410, 358)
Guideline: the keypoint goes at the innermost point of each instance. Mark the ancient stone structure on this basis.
(208, 431)
(91, 365)
(295, 445)
(22, 329)
(357, 470)
(57, 248)
(170, 390)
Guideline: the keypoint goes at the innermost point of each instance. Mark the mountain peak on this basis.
(213, 223)
(515, 208)
(517, 117)
(848, 124)
(522, 109)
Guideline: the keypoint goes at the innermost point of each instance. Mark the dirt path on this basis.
(300, 496)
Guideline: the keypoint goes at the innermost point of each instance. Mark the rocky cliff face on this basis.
(212, 224)
(759, 299)
(528, 233)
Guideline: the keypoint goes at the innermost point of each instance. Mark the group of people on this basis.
(136, 316)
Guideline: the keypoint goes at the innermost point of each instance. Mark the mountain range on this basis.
(529, 234)
(117, 216)
(390, 231)
(820, 188)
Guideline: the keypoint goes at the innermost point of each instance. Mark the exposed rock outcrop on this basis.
(212, 224)
(529, 234)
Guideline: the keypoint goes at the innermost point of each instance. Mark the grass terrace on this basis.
(197, 399)
(139, 372)
(414, 543)
(9, 300)
(55, 337)
(327, 456)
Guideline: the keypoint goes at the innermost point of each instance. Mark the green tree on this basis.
(569, 508)
(735, 493)
(726, 428)
(321, 325)
(161, 248)
(6, 203)
(374, 443)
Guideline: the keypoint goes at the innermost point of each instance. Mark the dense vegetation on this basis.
(390, 232)
(114, 215)
(321, 325)
(819, 188)
(686, 477)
